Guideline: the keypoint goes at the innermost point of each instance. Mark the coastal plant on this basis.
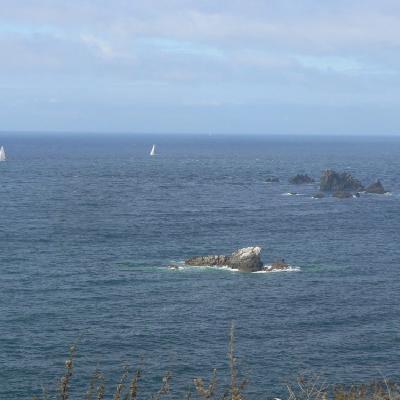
(383, 390)
(236, 388)
(303, 388)
(65, 380)
(165, 387)
(308, 388)
(121, 385)
(206, 391)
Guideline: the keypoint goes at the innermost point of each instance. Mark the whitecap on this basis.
(181, 266)
(268, 269)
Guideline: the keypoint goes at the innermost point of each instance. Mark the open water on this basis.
(88, 225)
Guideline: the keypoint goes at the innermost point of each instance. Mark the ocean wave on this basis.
(292, 194)
(268, 269)
(181, 266)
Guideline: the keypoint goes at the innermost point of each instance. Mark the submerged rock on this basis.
(319, 195)
(301, 179)
(272, 179)
(279, 265)
(342, 195)
(376, 188)
(247, 259)
(332, 181)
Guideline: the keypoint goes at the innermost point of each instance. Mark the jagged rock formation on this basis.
(209, 261)
(247, 259)
(376, 188)
(301, 179)
(332, 181)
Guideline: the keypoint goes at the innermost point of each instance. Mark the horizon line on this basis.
(180, 133)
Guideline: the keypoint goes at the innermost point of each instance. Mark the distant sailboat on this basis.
(153, 150)
(2, 154)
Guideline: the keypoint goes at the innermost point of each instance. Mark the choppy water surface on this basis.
(89, 224)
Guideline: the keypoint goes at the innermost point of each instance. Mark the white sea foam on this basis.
(181, 266)
(292, 194)
(268, 269)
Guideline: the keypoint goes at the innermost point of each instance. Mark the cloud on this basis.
(101, 46)
(258, 52)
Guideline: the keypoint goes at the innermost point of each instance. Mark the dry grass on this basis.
(315, 389)
(304, 388)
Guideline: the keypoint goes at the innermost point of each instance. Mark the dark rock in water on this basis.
(208, 261)
(292, 193)
(301, 179)
(279, 265)
(319, 195)
(272, 179)
(342, 195)
(357, 194)
(376, 188)
(247, 259)
(332, 181)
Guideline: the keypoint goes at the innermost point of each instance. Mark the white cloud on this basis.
(190, 52)
(101, 46)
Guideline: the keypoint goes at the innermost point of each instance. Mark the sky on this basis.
(204, 66)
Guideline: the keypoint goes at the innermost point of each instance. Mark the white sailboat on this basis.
(153, 150)
(2, 154)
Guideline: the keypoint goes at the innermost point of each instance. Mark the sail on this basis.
(2, 154)
(153, 150)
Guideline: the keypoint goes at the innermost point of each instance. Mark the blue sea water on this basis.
(88, 225)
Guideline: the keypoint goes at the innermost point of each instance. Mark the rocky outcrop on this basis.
(209, 261)
(300, 179)
(376, 188)
(332, 181)
(342, 195)
(247, 259)
(278, 266)
(272, 179)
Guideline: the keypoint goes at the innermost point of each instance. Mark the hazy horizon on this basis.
(257, 67)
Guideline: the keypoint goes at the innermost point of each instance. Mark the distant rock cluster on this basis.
(344, 185)
(300, 179)
(272, 179)
(332, 181)
(341, 185)
(376, 188)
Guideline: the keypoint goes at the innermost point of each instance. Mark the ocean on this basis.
(90, 223)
